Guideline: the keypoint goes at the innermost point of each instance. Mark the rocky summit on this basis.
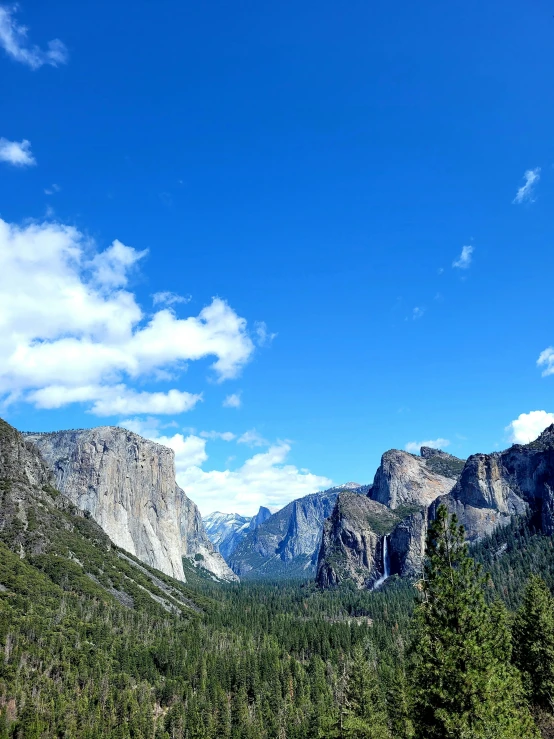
(127, 484)
(353, 543)
(485, 492)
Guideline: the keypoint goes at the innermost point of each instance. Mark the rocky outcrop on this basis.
(353, 545)
(261, 517)
(287, 543)
(403, 479)
(491, 490)
(127, 484)
(227, 530)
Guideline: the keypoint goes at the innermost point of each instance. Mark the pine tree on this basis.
(366, 713)
(463, 684)
(534, 642)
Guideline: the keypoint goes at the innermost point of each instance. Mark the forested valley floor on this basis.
(281, 660)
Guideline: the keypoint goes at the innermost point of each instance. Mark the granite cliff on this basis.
(227, 530)
(404, 485)
(490, 490)
(287, 543)
(127, 484)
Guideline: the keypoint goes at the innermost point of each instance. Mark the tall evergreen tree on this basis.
(534, 642)
(366, 713)
(463, 684)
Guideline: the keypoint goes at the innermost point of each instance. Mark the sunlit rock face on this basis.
(489, 492)
(127, 483)
(404, 479)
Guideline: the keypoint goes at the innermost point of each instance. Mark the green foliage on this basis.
(366, 713)
(534, 642)
(463, 683)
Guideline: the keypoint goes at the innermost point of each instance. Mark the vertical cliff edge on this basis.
(127, 483)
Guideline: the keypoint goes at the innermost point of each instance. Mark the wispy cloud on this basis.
(213, 435)
(263, 336)
(527, 426)
(232, 401)
(169, 298)
(417, 313)
(525, 192)
(17, 153)
(415, 446)
(546, 360)
(52, 189)
(464, 260)
(13, 39)
(252, 438)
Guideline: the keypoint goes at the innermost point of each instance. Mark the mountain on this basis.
(127, 484)
(352, 544)
(404, 479)
(357, 543)
(48, 532)
(492, 491)
(227, 530)
(286, 544)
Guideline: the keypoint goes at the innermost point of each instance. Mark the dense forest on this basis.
(284, 660)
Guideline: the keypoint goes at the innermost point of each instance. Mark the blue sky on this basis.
(280, 237)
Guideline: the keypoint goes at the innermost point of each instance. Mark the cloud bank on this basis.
(263, 479)
(72, 332)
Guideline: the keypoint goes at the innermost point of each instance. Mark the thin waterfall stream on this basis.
(386, 565)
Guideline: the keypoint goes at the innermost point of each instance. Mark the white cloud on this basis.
(464, 260)
(415, 446)
(223, 435)
(263, 336)
(525, 192)
(109, 401)
(17, 153)
(169, 298)
(111, 266)
(232, 401)
(71, 331)
(13, 39)
(528, 426)
(252, 438)
(52, 189)
(417, 313)
(264, 479)
(546, 360)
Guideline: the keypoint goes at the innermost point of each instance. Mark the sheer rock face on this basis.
(491, 490)
(227, 530)
(404, 479)
(352, 545)
(286, 543)
(407, 544)
(127, 483)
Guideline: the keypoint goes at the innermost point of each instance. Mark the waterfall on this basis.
(386, 565)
